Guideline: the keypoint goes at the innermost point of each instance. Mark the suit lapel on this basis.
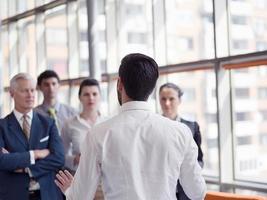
(35, 131)
(15, 128)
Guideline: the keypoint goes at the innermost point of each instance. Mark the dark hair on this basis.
(47, 74)
(139, 74)
(172, 86)
(88, 82)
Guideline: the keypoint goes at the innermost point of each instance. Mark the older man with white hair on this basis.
(31, 151)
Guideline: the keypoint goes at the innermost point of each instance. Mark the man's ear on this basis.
(119, 85)
(11, 92)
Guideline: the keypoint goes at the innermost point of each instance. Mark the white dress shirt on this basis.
(73, 135)
(138, 155)
(19, 117)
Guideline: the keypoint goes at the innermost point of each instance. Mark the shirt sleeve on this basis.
(32, 157)
(191, 178)
(87, 176)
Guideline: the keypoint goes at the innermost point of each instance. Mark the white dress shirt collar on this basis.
(19, 116)
(178, 118)
(82, 121)
(56, 106)
(135, 105)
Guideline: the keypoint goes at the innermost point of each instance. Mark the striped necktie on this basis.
(26, 126)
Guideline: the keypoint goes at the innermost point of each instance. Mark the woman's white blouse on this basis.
(73, 134)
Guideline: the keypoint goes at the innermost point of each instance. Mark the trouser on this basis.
(35, 195)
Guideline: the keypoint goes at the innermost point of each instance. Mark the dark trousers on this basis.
(180, 194)
(35, 195)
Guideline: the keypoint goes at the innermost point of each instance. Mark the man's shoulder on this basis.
(42, 118)
(105, 123)
(193, 125)
(188, 121)
(6, 119)
(177, 128)
(41, 110)
(68, 108)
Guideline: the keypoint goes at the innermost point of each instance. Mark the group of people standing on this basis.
(135, 153)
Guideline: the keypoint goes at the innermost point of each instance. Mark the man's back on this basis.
(140, 155)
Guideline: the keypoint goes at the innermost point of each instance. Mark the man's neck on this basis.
(50, 102)
(23, 111)
(172, 117)
(92, 116)
(126, 99)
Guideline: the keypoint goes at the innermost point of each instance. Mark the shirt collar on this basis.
(19, 115)
(82, 121)
(135, 105)
(56, 106)
(178, 118)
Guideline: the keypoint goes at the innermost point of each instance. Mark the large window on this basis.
(134, 27)
(57, 34)
(56, 41)
(250, 125)
(3, 9)
(83, 39)
(5, 55)
(189, 28)
(248, 26)
(27, 46)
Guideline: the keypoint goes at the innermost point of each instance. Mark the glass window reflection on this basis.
(56, 41)
(248, 26)
(250, 125)
(189, 27)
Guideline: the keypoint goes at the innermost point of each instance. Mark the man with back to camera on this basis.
(170, 100)
(48, 83)
(31, 151)
(136, 154)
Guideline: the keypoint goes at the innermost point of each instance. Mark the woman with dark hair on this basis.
(75, 130)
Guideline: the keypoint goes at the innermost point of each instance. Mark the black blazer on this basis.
(194, 127)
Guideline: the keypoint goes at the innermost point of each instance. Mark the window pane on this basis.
(83, 31)
(5, 55)
(135, 27)
(104, 99)
(8, 103)
(199, 104)
(63, 95)
(13, 49)
(250, 124)
(250, 192)
(56, 41)
(3, 9)
(12, 8)
(248, 26)
(74, 97)
(24, 5)
(27, 46)
(102, 49)
(189, 30)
